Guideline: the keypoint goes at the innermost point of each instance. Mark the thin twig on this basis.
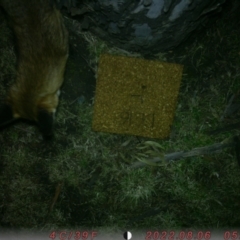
(227, 128)
(55, 198)
(23, 129)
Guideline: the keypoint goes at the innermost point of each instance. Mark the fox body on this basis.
(42, 47)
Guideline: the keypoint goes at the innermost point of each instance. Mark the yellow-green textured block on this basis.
(136, 96)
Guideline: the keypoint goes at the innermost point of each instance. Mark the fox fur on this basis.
(42, 49)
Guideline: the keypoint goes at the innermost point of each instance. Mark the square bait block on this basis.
(136, 96)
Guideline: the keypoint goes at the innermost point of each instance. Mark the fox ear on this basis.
(45, 123)
(6, 114)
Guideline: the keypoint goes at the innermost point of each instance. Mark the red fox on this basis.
(42, 47)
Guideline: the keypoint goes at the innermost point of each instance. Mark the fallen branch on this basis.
(216, 147)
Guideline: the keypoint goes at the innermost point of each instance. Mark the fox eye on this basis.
(45, 123)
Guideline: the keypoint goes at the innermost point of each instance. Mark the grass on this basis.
(98, 187)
